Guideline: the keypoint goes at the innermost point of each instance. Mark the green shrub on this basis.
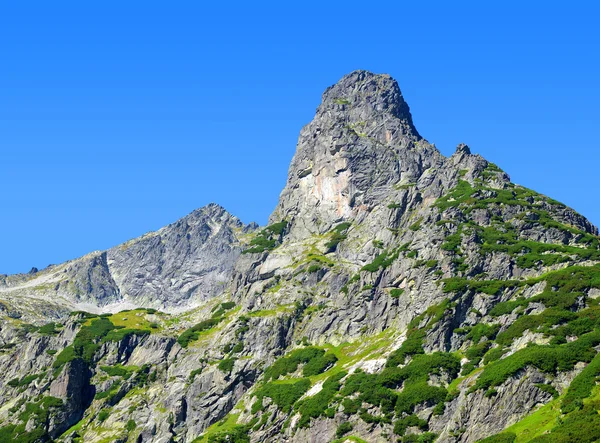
(192, 334)
(481, 330)
(194, 373)
(86, 342)
(289, 364)
(383, 260)
(38, 414)
(409, 421)
(477, 351)
(237, 434)
(416, 226)
(113, 388)
(64, 357)
(117, 371)
(579, 426)
(411, 346)
(418, 393)
(24, 381)
(316, 406)
(319, 364)
(313, 268)
(490, 287)
(493, 355)
(396, 292)
(49, 329)
(350, 406)
(581, 386)
(226, 365)
(426, 437)
(548, 358)
(103, 415)
(548, 317)
(507, 307)
(284, 395)
(343, 429)
(267, 239)
(547, 388)
(338, 235)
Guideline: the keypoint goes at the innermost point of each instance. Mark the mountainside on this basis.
(395, 295)
(183, 264)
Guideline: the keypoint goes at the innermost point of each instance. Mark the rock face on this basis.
(360, 144)
(189, 261)
(396, 295)
(177, 267)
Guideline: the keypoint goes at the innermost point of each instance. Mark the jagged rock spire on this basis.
(360, 143)
(362, 95)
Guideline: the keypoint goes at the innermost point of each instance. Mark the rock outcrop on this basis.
(396, 295)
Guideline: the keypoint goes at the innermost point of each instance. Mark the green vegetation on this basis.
(581, 387)
(38, 413)
(385, 259)
(414, 337)
(379, 389)
(548, 389)
(96, 330)
(267, 239)
(226, 365)
(25, 381)
(317, 405)
(103, 415)
(408, 421)
(396, 292)
(315, 361)
(313, 268)
(416, 226)
(337, 235)
(219, 310)
(547, 318)
(343, 429)
(426, 437)
(284, 395)
(548, 358)
(119, 370)
(193, 333)
(122, 334)
(194, 373)
(86, 342)
(50, 329)
(508, 437)
(504, 237)
(490, 287)
(226, 431)
(493, 355)
(546, 425)
(110, 392)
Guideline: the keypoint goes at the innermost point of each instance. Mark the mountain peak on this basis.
(361, 142)
(362, 94)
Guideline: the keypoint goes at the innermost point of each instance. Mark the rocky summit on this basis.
(396, 295)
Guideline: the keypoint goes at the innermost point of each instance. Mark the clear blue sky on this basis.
(116, 120)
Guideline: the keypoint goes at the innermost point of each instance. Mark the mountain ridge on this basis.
(395, 295)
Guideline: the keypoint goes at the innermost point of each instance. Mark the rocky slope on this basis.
(177, 267)
(396, 295)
